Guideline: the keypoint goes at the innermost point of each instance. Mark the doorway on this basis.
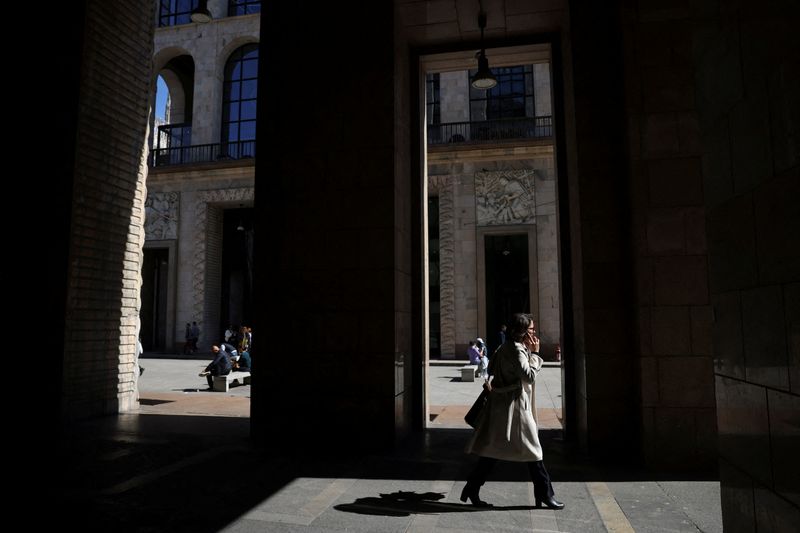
(237, 269)
(155, 272)
(490, 180)
(507, 278)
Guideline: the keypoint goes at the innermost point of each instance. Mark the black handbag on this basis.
(474, 412)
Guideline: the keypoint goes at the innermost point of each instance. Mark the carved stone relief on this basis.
(437, 183)
(447, 256)
(505, 197)
(161, 216)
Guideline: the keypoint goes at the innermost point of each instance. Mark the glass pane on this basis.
(248, 110)
(250, 68)
(249, 89)
(233, 111)
(247, 130)
(516, 107)
(477, 110)
(234, 71)
(233, 132)
(250, 51)
(233, 91)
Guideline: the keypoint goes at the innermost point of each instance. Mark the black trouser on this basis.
(542, 487)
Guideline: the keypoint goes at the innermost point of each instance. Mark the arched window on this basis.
(243, 7)
(239, 102)
(175, 12)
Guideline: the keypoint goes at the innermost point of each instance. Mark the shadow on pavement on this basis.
(403, 503)
(139, 472)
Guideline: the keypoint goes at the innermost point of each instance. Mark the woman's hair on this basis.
(518, 326)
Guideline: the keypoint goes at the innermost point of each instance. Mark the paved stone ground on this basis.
(166, 468)
(450, 398)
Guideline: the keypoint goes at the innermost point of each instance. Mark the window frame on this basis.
(497, 99)
(237, 8)
(169, 13)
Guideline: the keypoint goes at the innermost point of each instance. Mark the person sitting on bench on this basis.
(220, 366)
(242, 362)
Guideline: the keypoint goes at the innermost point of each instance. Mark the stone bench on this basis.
(468, 372)
(222, 383)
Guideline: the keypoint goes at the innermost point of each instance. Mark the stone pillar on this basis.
(102, 308)
(672, 299)
(333, 237)
(603, 358)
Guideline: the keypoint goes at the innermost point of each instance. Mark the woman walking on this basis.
(507, 427)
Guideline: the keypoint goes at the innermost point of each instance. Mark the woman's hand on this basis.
(531, 342)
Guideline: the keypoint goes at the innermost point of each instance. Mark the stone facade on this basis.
(209, 46)
(196, 245)
(487, 190)
(186, 204)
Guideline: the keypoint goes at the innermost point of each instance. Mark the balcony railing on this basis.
(202, 153)
(491, 130)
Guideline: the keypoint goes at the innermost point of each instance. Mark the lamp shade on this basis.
(201, 14)
(483, 79)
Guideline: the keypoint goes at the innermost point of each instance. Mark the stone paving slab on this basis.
(184, 463)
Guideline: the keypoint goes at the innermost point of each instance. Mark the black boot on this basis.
(542, 487)
(550, 502)
(472, 491)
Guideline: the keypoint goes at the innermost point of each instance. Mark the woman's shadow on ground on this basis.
(403, 503)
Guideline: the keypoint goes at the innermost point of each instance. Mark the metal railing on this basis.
(491, 130)
(202, 153)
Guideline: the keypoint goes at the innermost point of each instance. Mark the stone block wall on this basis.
(670, 253)
(748, 95)
(107, 235)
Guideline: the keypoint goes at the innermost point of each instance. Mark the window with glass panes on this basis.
(175, 12)
(239, 95)
(432, 101)
(511, 97)
(243, 7)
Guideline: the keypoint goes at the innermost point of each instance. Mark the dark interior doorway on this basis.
(154, 299)
(507, 278)
(237, 269)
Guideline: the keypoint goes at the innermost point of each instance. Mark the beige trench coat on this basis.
(507, 426)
